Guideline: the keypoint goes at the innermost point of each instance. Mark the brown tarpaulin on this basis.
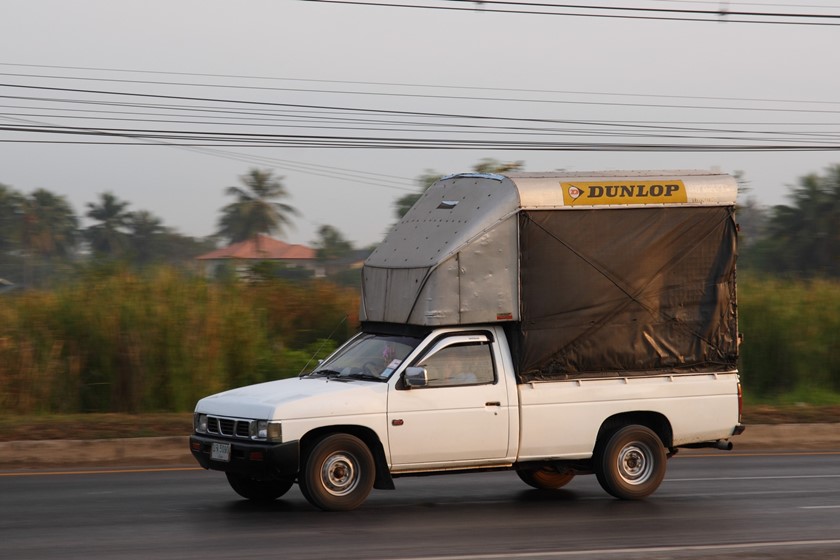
(626, 292)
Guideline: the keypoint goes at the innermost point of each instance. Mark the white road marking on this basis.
(718, 478)
(602, 552)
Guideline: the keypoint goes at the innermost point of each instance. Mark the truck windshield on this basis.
(367, 356)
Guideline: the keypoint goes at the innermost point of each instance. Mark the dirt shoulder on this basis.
(173, 451)
(110, 440)
(112, 426)
(94, 426)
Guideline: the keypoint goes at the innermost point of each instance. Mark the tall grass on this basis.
(120, 342)
(791, 349)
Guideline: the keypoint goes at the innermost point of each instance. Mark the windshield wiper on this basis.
(338, 375)
(362, 376)
(324, 373)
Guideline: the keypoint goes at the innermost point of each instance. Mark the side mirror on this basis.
(416, 377)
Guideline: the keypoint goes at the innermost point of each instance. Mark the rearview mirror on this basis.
(416, 377)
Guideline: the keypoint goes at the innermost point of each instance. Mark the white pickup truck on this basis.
(550, 324)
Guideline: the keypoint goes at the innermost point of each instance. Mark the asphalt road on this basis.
(714, 505)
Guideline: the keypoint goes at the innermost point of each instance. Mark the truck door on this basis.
(461, 414)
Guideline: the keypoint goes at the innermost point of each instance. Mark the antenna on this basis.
(318, 350)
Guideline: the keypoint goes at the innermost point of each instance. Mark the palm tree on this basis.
(255, 210)
(803, 237)
(35, 230)
(108, 237)
(331, 244)
(49, 226)
(10, 213)
(145, 230)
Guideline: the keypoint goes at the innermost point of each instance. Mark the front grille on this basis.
(229, 427)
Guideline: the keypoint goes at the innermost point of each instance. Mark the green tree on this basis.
(11, 264)
(256, 210)
(10, 214)
(490, 165)
(145, 233)
(331, 244)
(108, 237)
(803, 239)
(49, 225)
(429, 177)
(177, 249)
(424, 181)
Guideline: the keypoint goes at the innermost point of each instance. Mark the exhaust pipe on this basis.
(722, 444)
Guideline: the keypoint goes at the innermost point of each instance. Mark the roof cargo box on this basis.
(602, 273)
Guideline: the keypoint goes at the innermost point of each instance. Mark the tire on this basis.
(631, 464)
(338, 474)
(262, 491)
(546, 478)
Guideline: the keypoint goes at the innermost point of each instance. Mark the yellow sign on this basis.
(625, 192)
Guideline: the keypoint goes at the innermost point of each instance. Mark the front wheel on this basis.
(631, 464)
(546, 478)
(338, 474)
(259, 490)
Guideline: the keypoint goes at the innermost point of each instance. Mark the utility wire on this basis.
(316, 119)
(710, 16)
(420, 95)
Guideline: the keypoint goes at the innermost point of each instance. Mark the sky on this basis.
(454, 78)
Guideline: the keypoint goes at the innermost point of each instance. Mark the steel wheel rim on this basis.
(635, 463)
(339, 474)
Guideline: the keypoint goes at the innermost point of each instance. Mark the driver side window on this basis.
(460, 364)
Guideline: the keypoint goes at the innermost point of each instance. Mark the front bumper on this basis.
(265, 460)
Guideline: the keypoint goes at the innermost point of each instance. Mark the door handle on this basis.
(493, 403)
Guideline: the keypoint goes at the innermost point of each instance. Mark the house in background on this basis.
(243, 256)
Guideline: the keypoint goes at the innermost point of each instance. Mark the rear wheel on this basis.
(338, 474)
(631, 464)
(546, 478)
(259, 490)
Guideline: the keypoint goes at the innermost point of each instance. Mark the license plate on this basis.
(220, 452)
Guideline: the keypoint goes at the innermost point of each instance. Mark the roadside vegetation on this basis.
(791, 350)
(87, 344)
(120, 341)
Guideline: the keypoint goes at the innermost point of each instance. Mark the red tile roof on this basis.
(261, 248)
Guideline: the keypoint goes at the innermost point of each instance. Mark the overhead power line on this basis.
(211, 139)
(413, 86)
(109, 116)
(602, 11)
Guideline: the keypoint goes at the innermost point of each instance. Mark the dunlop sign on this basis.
(631, 192)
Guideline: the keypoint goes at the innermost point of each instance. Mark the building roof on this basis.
(261, 248)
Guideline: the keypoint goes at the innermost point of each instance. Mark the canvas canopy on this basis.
(592, 274)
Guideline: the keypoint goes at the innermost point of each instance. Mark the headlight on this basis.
(266, 430)
(200, 423)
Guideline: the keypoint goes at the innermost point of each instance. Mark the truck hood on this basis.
(297, 398)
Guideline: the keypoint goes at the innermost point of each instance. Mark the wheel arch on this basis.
(656, 421)
(382, 480)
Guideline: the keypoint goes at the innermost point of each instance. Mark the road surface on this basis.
(711, 505)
